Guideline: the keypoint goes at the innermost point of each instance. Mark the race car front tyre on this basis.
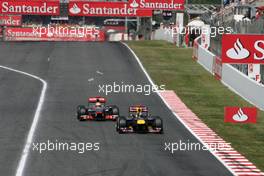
(121, 123)
(158, 123)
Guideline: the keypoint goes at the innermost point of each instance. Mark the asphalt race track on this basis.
(67, 67)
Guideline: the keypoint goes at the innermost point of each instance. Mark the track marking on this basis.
(24, 156)
(91, 79)
(226, 152)
(176, 115)
(100, 73)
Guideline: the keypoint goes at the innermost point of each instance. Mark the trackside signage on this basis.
(118, 9)
(33, 7)
(52, 34)
(1, 32)
(10, 20)
(240, 48)
(241, 115)
(158, 4)
(217, 68)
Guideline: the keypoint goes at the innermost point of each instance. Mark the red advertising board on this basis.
(1, 32)
(158, 4)
(33, 7)
(53, 34)
(242, 48)
(195, 49)
(117, 9)
(241, 115)
(116, 28)
(217, 69)
(10, 20)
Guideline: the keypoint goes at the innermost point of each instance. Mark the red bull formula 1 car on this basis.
(97, 110)
(139, 121)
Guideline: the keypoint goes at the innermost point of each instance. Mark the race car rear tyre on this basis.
(117, 129)
(158, 123)
(81, 110)
(80, 119)
(115, 110)
(121, 123)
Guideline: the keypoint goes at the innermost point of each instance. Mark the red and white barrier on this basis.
(115, 37)
(45, 34)
(217, 67)
(195, 49)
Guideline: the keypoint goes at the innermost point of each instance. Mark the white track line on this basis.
(100, 73)
(176, 115)
(90, 79)
(23, 158)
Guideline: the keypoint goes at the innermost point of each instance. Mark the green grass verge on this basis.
(203, 94)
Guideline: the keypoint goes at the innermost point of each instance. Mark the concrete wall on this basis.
(242, 85)
(206, 58)
(163, 34)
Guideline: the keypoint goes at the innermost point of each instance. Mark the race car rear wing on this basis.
(96, 99)
(138, 108)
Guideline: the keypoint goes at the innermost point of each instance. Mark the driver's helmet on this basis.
(139, 112)
(98, 104)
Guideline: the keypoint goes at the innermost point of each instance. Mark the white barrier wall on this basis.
(206, 59)
(115, 37)
(163, 34)
(241, 84)
(118, 37)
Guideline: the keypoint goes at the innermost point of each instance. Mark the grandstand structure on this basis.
(199, 9)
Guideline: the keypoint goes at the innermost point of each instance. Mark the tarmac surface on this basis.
(73, 72)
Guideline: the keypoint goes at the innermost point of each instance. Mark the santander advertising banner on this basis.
(241, 115)
(32, 7)
(118, 9)
(243, 48)
(158, 4)
(53, 34)
(10, 20)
